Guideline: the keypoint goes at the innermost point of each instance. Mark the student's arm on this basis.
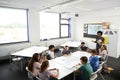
(52, 69)
(76, 67)
(100, 52)
(80, 69)
(88, 49)
(55, 75)
(103, 40)
(94, 41)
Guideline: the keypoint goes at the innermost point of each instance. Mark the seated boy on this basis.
(66, 50)
(94, 60)
(83, 47)
(85, 70)
(50, 53)
(66, 53)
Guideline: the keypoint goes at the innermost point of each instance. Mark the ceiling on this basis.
(63, 6)
(80, 6)
(37, 4)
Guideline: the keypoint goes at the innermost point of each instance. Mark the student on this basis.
(94, 60)
(43, 57)
(83, 47)
(50, 53)
(45, 74)
(103, 52)
(99, 41)
(66, 47)
(34, 65)
(85, 70)
(66, 53)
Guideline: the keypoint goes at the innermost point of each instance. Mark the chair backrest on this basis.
(48, 56)
(102, 63)
(31, 75)
(99, 68)
(12, 57)
(106, 59)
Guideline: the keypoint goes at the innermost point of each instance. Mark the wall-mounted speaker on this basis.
(76, 15)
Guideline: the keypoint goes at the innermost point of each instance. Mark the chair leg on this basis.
(101, 76)
(74, 76)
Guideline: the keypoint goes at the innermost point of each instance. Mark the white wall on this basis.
(108, 15)
(34, 31)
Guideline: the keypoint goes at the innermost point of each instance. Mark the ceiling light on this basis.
(85, 9)
(71, 3)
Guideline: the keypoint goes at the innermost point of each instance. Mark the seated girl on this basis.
(103, 52)
(34, 64)
(45, 74)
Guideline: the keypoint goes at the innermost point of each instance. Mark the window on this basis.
(13, 25)
(64, 30)
(65, 26)
(53, 26)
(49, 25)
(90, 29)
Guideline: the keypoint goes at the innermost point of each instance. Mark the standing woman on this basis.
(34, 64)
(99, 41)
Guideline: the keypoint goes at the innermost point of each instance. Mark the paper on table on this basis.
(52, 64)
(53, 71)
(68, 62)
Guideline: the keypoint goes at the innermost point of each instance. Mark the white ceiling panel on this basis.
(38, 4)
(80, 6)
(61, 6)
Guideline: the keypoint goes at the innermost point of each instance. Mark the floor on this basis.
(15, 74)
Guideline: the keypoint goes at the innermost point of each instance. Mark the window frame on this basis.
(64, 24)
(69, 30)
(27, 22)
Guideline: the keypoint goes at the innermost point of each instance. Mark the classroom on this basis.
(59, 39)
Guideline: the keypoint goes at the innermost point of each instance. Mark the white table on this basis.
(67, 61)
(72, 44)
(28, 52)
(63, 71)
(79, 54)
(66, 64)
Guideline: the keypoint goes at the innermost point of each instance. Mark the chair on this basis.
(31, 75)
(106, 59)
(99, 70)
(94, 74)
(48, 55)
(15, 60)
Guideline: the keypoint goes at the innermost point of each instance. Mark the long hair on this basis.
(44, 66)
(33, 59)
(105, 48)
